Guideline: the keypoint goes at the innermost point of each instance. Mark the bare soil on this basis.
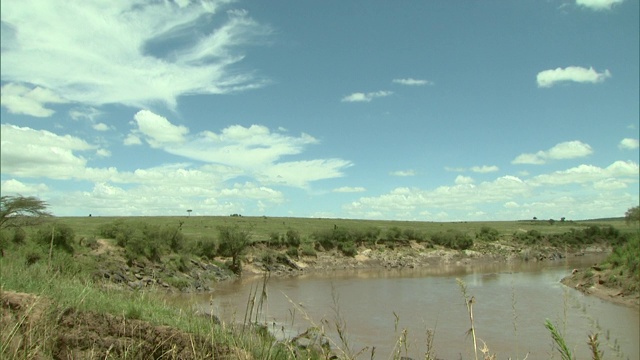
(605, 285)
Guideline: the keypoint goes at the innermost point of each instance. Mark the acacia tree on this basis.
(21, 211)
(233, 242)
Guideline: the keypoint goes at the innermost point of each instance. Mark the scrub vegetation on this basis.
(89, 287)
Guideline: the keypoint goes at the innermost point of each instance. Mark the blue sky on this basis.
(413, 110)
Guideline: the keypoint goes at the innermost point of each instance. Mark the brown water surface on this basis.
(512, 302)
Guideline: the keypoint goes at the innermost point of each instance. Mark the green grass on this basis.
(262, 227)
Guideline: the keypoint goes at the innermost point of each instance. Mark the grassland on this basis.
(66, 304)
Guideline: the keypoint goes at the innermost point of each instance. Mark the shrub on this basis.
(292, 238)
(274, 239)
(233, 242)
(19, 236)
(453, 239)
(62, 235)
(307, 249)
(293, 251)
(394, 233)
(324, 238)
(487, 233)
(348, 248)
(206, 248)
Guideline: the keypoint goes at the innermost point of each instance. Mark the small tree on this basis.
(189, 212)
(21, 211)
(233, 242)
(632, 215)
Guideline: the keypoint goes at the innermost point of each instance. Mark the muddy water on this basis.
(512, 302)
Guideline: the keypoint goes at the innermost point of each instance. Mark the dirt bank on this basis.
(604, 284)
(34, 328)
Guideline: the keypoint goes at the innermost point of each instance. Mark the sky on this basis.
(364, 109)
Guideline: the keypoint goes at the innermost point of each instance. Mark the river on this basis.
(512, 301)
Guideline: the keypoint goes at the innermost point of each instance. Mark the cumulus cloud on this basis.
(349, 189)
(131, 53)
(403, 173)
(565, 150)
(412, 82)
(598, 4)
(485, 169)
(32, 153)
(365, 97)
(13, 186)
(628, 144)
(132, 139)
(20, 99)
(157, 130)
(548, 78)
(583, 191)
(622, 171)
(463, 180)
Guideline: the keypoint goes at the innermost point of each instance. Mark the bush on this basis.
(19, 236)
(62, 234)
(394, 233)
(453, 239)
(292, 238)
(348, 248)
(233, 242)
(206, 248)
(307, 249)
(487, 234)
(274, 240)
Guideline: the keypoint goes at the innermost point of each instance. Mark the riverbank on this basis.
(605, 284)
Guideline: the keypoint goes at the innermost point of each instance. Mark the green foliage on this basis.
(625, 257)
(233, 242)
(144, 240)
(565, 353)
(348, 248)
(488, 233)
(307, 249)
(393, 233)
(21, 211)
(62, 234)
(292, 238)
(293, 251)
(206, 248)
(275, 240)
(632, 215)
(453, 239)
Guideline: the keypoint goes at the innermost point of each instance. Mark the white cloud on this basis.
(362, 97)
(461, 180)
(101, 127)
(300, 173)
(625, 171)
(412, 82)
(403, 173)
(158, 131)
(19, 99)
(548, 78)
(13, 186)
(103, 153)
(349, 189)
(88, 113)
(628, 144)
(132, 139)
(129, 53)
(565, 150)
(32, 153)
(584, 192)
(598, 4)
(485, 169)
